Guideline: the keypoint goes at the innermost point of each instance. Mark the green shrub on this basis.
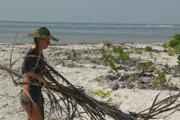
(148, 48)
(173, 43)
(166, 66)
(178, 60)
(170, 52)
(107, 56)
(121, 54)
(138, 51)
(110, 99)
(135, 77)
(68, 56)
(177, 48)
(161, 79)
(144, 66)
(102, 94)
(165, 45)
(118, 49)
(108, 59)
(71, 55)
(112, 54)
(177, 37)
(107, 44)
(74, 54)
(124, 57)
(112, 66)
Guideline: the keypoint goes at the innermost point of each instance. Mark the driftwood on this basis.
(70, 102)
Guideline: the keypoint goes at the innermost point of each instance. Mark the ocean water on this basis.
(89, 32)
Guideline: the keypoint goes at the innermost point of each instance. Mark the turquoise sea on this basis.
(90, 32)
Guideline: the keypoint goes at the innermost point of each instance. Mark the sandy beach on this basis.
(82, 65)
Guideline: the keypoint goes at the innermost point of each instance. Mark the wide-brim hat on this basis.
(42, 32)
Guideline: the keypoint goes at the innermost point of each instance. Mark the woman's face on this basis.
(43, 43)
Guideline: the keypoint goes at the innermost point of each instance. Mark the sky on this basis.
(92, 11)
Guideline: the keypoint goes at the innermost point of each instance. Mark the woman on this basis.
(34, 71)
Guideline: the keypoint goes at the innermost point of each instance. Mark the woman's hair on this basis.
(36, 43)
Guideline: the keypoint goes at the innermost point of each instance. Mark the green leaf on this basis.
(107, 44)
(178, 60)
(110, 99)
(102, 94)
(112, 66)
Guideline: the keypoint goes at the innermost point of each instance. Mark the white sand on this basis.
(134, 100)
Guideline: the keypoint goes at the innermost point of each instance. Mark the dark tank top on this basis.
(34, 63)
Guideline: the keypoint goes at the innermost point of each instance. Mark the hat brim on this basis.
(42, 36)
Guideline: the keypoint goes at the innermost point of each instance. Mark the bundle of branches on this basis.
(76, 101)
(96, 110)
(69, 102)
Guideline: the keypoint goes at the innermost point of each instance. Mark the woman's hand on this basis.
(34, 75)
(45, 84)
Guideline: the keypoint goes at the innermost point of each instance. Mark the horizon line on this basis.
(85, 22)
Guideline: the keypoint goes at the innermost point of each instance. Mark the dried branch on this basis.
(168, 104)
(71, 102)
(68, 100)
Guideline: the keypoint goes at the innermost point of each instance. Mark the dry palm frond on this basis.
(168, 105)
(75, 101)
(69, 102)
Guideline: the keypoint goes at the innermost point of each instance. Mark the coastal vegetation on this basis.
(148, 49)
(144, 71)
(173, 43)
(112, 54)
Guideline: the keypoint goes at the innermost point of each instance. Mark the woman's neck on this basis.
(38, 49)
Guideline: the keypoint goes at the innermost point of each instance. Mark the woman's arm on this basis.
(34, 75)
